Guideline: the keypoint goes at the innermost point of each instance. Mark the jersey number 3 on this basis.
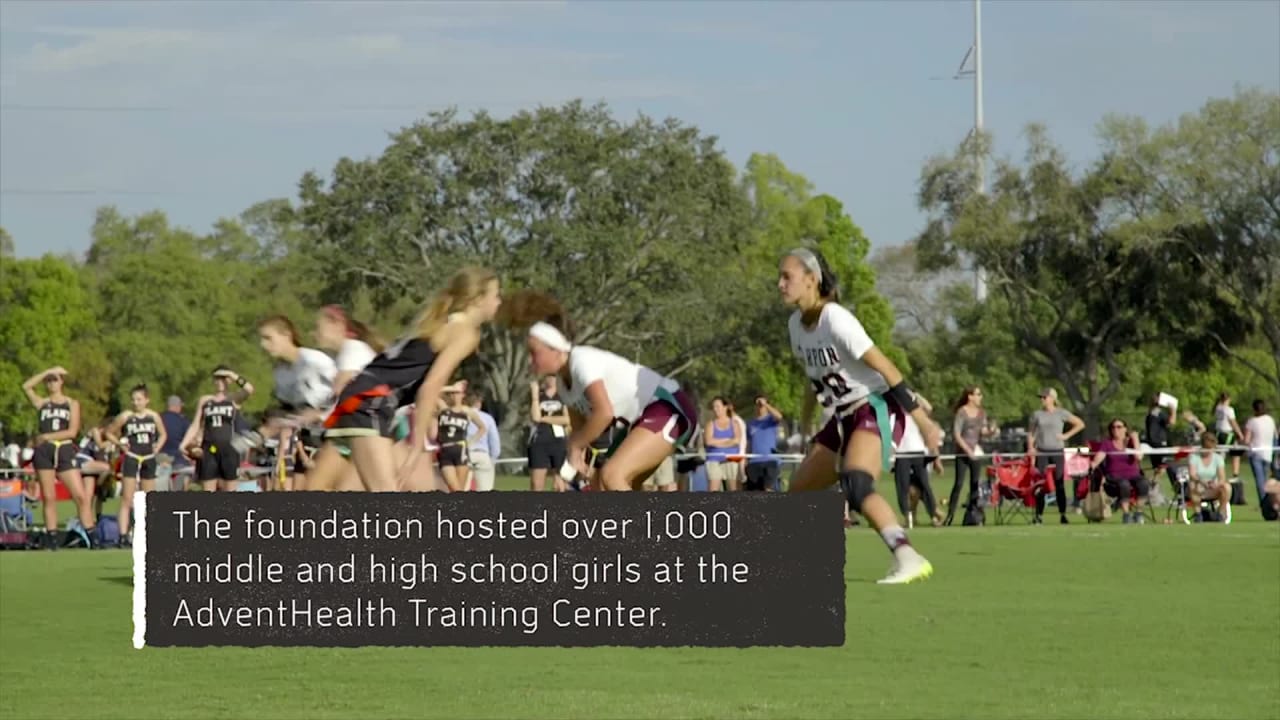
(833, 382)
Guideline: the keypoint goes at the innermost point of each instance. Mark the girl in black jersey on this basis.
(139, 433)
(209, 440)
(451, 436)
(55, 450)
(547, 447)
(414, 371)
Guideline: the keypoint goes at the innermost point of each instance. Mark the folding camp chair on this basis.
(1014, 486)
(16, 517)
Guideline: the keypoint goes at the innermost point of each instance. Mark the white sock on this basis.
(895, 538)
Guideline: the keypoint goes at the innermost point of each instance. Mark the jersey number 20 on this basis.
(833, 382)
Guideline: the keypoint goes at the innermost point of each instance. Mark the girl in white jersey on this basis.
(868, 398)
(604, 390)
(303, 390)
(355, 346)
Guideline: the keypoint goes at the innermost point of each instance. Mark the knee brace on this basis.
(857, 485)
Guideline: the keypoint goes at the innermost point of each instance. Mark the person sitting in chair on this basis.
(1121, 463)
(1208, 479)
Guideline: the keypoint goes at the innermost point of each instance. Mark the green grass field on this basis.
(1102, 621)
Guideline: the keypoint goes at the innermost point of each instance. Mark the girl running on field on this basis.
(412, 371)
(355, 346)
(868, 399)
(304, 379)
(602, 390)
(140, 434)
(55, 451)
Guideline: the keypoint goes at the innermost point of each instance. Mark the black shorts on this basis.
(300, 463)
(366, 417)
(762, 476)
(220, 464)
(144, 469)
(1124, 488)
(454, 456)
(1229, 438)
(59, 457)
(547, 455)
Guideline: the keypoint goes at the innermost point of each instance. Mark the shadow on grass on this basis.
(126, 580)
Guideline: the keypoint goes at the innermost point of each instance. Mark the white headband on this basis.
(550, 336)
(808, 259)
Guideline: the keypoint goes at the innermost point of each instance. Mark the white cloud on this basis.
(100, 47)
(339, 55)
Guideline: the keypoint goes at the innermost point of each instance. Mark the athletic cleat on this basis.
(905, 571)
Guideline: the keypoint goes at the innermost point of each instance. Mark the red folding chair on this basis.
(1015, 485)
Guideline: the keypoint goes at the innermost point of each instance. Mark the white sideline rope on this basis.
(796, 457)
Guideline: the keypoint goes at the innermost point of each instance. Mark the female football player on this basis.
(414, 370)
(602, 390)
(868, 399)
(55, 451)
(140, 434)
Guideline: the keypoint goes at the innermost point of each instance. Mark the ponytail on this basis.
(354, 328)
(364, 334)
(523, 309)
(464, 288)
(433, 316)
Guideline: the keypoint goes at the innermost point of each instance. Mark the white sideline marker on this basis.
(139, 570)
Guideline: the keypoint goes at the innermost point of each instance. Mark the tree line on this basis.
(1157, 268)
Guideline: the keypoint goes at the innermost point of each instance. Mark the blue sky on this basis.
(202, 109)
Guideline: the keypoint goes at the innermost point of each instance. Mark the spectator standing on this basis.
(176, 426)
(1046, 437)
(763, 470)
(911, 469)
(968, 430)
(740, 427)
(1260, 436)
(1158, 425)
(722, 438)
(548, 439)
(486, 447)
(1229, 432)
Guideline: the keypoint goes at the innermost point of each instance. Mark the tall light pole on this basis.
(975, 51)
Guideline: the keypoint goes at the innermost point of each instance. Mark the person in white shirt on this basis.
(911, 471)
(356, 346)
(303, 390)
(1229, 432)
(869, 396)
(353, 342)
(1260, 436)
(484, 446)
(655, 414)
